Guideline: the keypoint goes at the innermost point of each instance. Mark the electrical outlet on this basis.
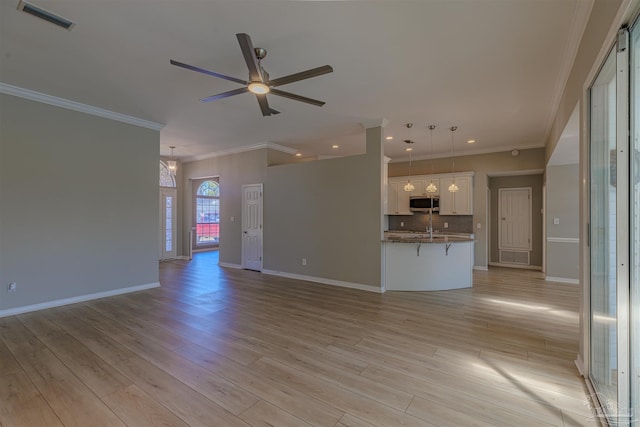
(479, 226)
(12, 287)
(556, 221)
(401, 223)
(446, 225)
(233, 219)
(304, 261)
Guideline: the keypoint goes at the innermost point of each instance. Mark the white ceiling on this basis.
(494, 68)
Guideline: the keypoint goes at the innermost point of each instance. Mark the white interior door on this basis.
(514, 210)
(168, 223)
(252, 227)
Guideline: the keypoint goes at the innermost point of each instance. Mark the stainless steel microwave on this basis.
(424, 204)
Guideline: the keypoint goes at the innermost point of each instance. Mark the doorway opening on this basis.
(516, 220)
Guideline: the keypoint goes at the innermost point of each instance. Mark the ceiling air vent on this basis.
(46, 15)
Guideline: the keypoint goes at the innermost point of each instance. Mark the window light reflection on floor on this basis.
(518, 304)
(533, 307)
(544, 385)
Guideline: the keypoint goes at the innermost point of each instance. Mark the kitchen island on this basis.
(428, 263)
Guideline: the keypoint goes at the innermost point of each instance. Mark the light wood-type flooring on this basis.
(224, 347)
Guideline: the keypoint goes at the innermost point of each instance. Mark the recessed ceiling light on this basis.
(298, 154)
(471, 141)
(389, 138)
(408, 149)
(335, 146)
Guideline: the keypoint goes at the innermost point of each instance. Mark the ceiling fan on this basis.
(259, 82)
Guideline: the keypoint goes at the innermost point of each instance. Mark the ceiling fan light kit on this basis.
(258, 88)
(259, 82)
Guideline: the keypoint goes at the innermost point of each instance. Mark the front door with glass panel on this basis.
(207, 214)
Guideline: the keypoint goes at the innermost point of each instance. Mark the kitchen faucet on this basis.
(430, 228)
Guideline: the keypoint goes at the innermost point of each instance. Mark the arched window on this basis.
(208, 213)
(209, 188)
(166, 179)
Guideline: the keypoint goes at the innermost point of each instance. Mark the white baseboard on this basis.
(230, 265)
(524, 267)
(184, 257)
(324, 281)
(562, 280)
(73, 300)
(580, 365)
(481, 267)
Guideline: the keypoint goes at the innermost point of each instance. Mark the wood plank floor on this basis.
(224, 347)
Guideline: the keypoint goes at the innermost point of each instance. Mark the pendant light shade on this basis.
(431, 188)
(409, 186)
(453, 187)
(172, 165)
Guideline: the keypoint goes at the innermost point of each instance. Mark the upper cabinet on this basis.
(397, 198)
(421, 183)
(460, 202)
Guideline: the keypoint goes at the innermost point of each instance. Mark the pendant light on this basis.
(409, 186)
(453, 187)
(172, 165)
(431, 188)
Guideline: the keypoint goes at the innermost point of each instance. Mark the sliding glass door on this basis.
(614, 243)
(604, 340)
(634, 223)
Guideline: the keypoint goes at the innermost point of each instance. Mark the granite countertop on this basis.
(435, 239)
(422, 237)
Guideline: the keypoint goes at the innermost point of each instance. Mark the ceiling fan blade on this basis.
(250, 57)
(210, 73)
(225, 94)
(314, 72)
(264, 105)
(297, 97)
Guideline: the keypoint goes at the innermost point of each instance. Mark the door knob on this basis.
(503, 218)
(244, 232)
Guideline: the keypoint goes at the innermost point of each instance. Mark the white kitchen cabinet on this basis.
(421, 183)
(397, 198)
(460, 202)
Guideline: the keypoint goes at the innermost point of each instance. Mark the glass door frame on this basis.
(619, 411)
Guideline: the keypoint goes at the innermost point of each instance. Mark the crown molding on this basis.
(76, 106)
(466, 153)
(243, 149)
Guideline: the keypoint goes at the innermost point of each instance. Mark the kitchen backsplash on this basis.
(420, 222)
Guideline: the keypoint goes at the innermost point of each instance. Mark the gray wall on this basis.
(78, 203)
(483, 165)
(234, 171)
(330, 212)
(563, 191)
(533, 181)
(601, 21)
(598, 25)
